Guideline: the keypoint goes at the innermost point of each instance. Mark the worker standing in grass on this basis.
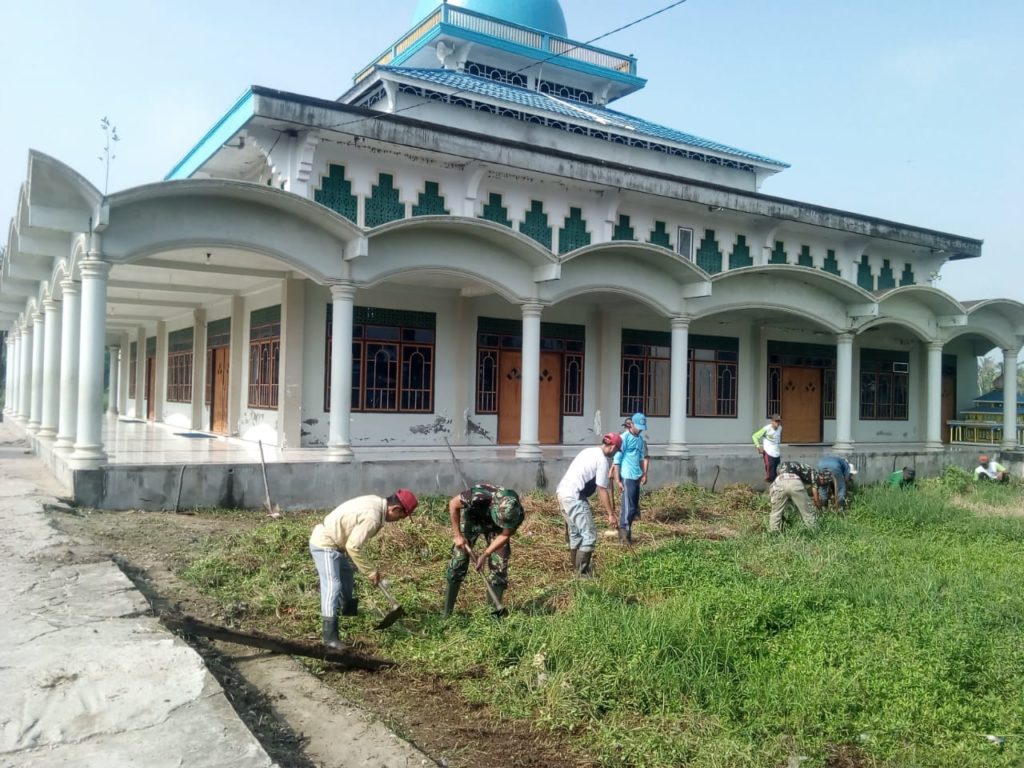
(629, 472)
(768, 441)
(788, 488)
(336, 545)
(587, 473)
(483, 510)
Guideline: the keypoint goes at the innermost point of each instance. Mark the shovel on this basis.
(499, 609)
(272, 509)
(396, 612)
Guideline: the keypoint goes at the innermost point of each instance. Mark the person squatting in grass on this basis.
(842, 475)
(990, 469)
(483, 510)
(788, 487)
(768, 441)
(336, 545)
(629, 472)
(587, 473)
(902, 478)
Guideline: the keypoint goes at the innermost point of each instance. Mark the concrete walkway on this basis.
(87, 677)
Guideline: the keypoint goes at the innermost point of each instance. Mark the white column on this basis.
(36, 404)
(25, 373)
(237, 387)
(159, 392)
(123, 364)
(140, 374)
(88, 453)
(51, 367)
(680, 369)
(933, 411)
(112, 381)
(339, 441)
(7, 373)
(11, 395)
(844, 394)
(25, 377)
(1010, 398)
(198, 367)
(529, 418)
(289, 375)
(67, 420)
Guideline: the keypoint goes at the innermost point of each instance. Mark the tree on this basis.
(988, 371)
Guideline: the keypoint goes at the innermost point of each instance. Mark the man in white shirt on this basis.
(990, 469)
(768, 441)
(336, 545)
(587, 473)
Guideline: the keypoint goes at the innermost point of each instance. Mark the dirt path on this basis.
(305, 720)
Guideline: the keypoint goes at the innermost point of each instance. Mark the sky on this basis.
(908, 110)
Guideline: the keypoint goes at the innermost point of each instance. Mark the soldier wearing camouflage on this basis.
(788, 488)
(483, 510)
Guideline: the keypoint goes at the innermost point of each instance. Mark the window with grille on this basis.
(264, 357)
(392, 360)
(884, 380)
(646, 372)
(497, 334)
(179, 366)
(711, 384)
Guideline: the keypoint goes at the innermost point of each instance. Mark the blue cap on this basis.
(639, 421)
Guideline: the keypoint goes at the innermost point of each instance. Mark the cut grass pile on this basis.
(891, 637)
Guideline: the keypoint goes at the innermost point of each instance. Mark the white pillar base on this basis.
(677, 450)
(32, 427)
(340, 453)
(87, 457)
(843, 448)
(47, 434)
(64, 445)
(934, 447)
(529, 451)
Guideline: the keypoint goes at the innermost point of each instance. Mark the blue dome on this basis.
(545, 15)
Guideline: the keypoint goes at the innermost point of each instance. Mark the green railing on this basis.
(502, 30)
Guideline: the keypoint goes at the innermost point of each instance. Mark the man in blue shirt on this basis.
(842, 474)
(629, 472)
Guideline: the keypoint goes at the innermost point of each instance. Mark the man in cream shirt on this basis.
(336, 545)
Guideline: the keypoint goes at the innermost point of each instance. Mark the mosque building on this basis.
(474, 244)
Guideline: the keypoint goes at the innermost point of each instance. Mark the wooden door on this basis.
(219, 391)
(801, 405)
(550, 398)
(510, 397)
(948, 402)
(151, 388)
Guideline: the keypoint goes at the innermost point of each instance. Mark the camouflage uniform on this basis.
(486, 511)
(788, 486)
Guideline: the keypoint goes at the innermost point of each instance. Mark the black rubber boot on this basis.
(572, 557)
(584, 568)
(331, 639)
(350, 607)
(499, 591)
(624, 537)
(451, 594)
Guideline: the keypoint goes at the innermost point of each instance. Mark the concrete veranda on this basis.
(89, 677)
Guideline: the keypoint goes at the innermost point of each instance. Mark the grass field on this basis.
(891, 637)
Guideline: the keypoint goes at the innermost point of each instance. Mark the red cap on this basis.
(613, 438)
(983, 459)
(407, 499)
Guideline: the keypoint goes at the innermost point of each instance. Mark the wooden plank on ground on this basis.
(346, 657)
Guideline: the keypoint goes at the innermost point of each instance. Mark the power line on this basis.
(552, 57)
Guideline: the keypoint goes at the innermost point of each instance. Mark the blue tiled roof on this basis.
(535, 100)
